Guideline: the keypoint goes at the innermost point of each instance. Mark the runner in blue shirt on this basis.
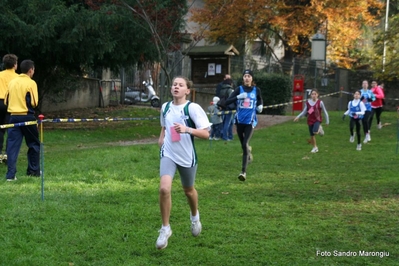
(356, 110)
(249, 101)
(366, 96)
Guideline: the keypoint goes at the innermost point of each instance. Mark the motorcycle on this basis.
(135, 96)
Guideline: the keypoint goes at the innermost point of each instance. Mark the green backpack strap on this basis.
(166, 109)
(190, 122)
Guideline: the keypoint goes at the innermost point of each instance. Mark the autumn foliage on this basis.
(291, 21)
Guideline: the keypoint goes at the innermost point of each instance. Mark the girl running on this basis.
(181, 121)
(249, 102)
(313, 109)
(356, 110)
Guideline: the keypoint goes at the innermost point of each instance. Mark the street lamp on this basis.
(318, 47)
(318, 51)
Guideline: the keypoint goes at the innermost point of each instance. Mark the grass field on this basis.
(336, 207)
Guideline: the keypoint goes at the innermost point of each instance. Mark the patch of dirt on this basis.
(95, 112)
(271, 120)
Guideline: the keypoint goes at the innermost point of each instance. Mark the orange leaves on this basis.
(291, 20)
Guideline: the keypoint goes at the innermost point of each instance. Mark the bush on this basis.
(275, 88)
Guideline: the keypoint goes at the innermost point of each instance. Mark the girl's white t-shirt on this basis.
(182, 152)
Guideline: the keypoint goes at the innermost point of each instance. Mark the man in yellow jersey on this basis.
(21, 99)
(10, 62)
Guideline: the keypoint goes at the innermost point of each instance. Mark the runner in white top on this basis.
(182, 152)
(177, 152)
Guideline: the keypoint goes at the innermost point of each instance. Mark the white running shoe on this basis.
(314, 150)
(368, 137)
(196, 228)
(379, 126)
(365, 139)
(352, 139)
(242, 176)
(321, 131)
(359, 147)
(162, 241)
(250, 158)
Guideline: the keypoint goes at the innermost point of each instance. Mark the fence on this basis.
(111, 91)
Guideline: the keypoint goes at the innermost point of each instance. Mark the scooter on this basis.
(135, 96)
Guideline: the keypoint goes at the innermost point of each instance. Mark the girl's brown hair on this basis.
(188, 82)
(314, 90)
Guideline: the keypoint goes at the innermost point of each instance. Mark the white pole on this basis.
(385, 42)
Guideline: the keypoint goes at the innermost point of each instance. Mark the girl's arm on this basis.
(304, 111)
(379, 94)
(259, 99)
(325, 112)
(233, 96)
(161, 137)
(372, 96)
(202, 133)
(201, 121)
(349, 108)
(362, 109)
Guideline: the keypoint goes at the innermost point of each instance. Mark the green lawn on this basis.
(296, 208)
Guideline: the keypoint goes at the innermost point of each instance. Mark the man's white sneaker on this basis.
(368, 137)
(379, 126)
(352, 139)
(359, 147)
(162, 241)
(196, 228)
(314, 150)
(365, 139)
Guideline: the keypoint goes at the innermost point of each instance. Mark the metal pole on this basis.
(385, 42)
(325, 51)
(41, 117)
(315, 74)
(123, 85)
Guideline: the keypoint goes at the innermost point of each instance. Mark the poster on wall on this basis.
(211, 69)
(218, 69)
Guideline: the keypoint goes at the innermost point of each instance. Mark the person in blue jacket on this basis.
(366, 96)
(356, 110)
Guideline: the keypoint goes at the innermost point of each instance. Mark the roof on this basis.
(212, 50)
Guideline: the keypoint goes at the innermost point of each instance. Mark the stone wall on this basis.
(87, 95)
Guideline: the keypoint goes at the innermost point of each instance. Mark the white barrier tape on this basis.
(284, 104)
